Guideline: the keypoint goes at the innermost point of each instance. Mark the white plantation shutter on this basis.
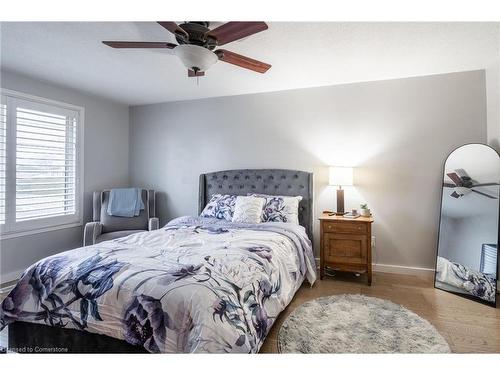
(45, 164)
(42, 164)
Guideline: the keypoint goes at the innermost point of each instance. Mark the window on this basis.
(40, 164)
(488, 263)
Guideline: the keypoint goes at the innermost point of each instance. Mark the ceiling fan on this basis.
(463, 184)
(197, 43)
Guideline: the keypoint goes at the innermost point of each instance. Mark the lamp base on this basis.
(340, 202)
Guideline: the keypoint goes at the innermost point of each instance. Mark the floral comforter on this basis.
(196, 285)
(459, 276)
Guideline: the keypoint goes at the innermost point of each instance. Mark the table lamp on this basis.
(340, 176)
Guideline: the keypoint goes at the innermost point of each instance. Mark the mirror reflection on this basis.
(468, 233)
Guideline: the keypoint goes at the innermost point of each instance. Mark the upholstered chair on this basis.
(105, 227)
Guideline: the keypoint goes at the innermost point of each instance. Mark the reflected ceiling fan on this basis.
(197, 43)
(463, 184)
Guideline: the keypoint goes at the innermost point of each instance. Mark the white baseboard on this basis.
(7, 289)
(402, 270)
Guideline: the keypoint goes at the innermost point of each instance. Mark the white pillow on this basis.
(248, 209)
(280, 208)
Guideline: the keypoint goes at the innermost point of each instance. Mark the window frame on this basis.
(11, 228)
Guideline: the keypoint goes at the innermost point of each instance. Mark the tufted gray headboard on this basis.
(261, 181)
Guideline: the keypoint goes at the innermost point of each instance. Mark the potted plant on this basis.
(364, 210)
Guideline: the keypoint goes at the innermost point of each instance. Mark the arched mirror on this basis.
(467, 259)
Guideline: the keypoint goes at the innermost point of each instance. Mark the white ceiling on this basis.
(302, 54)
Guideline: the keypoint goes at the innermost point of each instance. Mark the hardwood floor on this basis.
(469, 327)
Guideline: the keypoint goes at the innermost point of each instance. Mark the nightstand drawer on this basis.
(342, 248)
(344, 227)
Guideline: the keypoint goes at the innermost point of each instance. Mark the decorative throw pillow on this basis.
(280, 208)
(220, 207)
(248, 209)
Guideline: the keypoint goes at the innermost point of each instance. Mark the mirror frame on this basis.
(467, 296)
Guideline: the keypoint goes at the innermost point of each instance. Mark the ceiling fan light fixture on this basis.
(195, 57)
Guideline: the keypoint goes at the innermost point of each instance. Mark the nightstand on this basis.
(346, 244)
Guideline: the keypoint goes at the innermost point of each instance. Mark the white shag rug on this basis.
(353, 323)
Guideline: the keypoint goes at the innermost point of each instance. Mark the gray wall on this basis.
(463, 238)
(106, 142)
(396, 133)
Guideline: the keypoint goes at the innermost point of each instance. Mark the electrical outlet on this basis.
(373, 241)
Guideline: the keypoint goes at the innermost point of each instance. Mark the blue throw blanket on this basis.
(125, 202)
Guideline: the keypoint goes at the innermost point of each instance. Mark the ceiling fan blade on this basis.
(192, 73)
(242, 61)
(454, 177)
(446, 184)
(486, 195)
(455, 195)
(173, 28)
(487, 184)
(232, 31)
(116, 44)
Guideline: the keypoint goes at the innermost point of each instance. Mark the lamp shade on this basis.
(341, 176)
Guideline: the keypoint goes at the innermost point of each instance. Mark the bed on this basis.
(196, 285)
(461, 279)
